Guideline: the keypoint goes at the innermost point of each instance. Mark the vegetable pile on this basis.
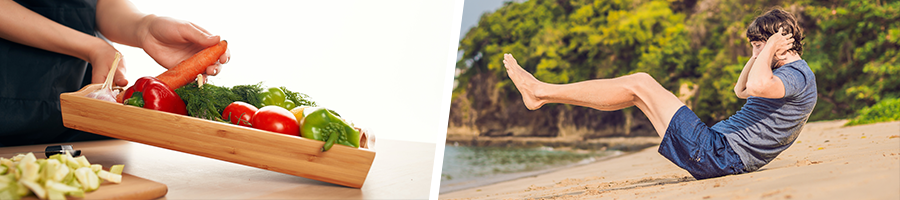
(209, 101)
(274, 109)
(52, 178)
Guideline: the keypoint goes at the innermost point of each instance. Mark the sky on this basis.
(472, 11)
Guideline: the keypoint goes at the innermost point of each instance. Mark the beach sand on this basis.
(828, 161)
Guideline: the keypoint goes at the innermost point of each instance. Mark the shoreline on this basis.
(828, 161)
(453, 186)
(629, 144)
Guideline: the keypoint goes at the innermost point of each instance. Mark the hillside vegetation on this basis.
(696, 49)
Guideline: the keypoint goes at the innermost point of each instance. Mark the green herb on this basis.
(249, 93)
(209, 101)
(206, 102)
(299, 99)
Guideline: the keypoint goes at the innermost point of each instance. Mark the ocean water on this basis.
(466, 167)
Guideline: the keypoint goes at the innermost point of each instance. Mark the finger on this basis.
(200, 28)
(196, 35)
(205, 78)
(119, 79)
(213, 69)
(225, 57)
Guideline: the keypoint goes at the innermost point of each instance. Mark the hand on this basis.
(101, 59)
(170, 41)
(780, 43)
(757, 47)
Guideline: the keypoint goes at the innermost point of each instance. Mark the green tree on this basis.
(852, 46)
(853, 49)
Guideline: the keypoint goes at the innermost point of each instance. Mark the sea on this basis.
(467, 167)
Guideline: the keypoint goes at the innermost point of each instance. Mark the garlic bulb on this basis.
(105, 92)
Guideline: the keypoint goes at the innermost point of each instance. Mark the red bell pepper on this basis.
(150, 93)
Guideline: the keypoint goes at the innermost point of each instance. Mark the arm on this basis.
(760, 80)
(740, 87)
(121, 22)
(26, 27)
(168, 41)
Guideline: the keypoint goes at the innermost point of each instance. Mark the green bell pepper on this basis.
(276, 97)
(321, 124)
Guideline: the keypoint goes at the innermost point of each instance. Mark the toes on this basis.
(508, 59)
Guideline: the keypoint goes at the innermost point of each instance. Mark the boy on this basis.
(779, 86)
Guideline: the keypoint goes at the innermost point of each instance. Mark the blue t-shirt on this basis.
(764, 127)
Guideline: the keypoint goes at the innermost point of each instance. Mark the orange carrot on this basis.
(186, 71)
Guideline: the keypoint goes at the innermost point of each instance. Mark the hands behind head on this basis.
(781, 42)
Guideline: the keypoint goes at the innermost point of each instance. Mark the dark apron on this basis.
(31, 79)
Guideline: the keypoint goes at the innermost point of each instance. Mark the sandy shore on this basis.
(827, 161)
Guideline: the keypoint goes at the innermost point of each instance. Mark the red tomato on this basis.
(239, 113)
(276, 119)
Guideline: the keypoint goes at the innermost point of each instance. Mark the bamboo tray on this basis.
(297, 156)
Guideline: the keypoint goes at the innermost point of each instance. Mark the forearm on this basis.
(740, 87)
(760, 75)
(121, 22)
(26, 27)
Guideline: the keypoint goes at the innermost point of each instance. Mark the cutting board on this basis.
(132, 187)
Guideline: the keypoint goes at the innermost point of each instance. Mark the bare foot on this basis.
(524, 81)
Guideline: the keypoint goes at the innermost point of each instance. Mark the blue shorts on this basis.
(693, 146)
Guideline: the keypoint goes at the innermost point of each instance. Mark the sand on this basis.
(828, 161)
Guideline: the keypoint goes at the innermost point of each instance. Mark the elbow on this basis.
(755, 88)
(741, 94)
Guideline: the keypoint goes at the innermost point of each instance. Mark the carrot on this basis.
(186, 71)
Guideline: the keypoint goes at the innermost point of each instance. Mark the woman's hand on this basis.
(170, 41)
(101, 58)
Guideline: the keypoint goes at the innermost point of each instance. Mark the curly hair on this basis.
(767, 24)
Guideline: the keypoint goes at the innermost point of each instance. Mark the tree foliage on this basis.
(855, 55)
(850, 45)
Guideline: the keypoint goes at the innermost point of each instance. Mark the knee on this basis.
(643, 80)
(642, 77)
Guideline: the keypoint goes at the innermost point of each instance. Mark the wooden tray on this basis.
(297, 156)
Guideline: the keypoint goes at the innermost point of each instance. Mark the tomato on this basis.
(276, 119)
(239, 113)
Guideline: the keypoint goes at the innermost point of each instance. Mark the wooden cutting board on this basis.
(132, 187)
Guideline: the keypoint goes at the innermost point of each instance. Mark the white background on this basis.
(385, 65)
(381, 64)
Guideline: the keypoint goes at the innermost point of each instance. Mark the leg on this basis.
(638, 89)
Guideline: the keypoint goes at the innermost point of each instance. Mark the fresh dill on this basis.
(208, 101)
